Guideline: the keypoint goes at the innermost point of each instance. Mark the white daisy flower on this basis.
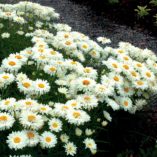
(7, 78)
(33, 138)
(77, 117)
(90, 144)
(48, 140)
(125, 103)
(70, 148)
(103, 40)
(17, 140)
(88, 101)
(74, 104)
(26, 86)
(31, 120)
(44, 109)
(6, 121)
(64, 138)
(11, 64)
(113, 104)
(41, 87)
(55, 125)
(7, 104)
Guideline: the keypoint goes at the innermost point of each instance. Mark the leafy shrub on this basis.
(58, 86)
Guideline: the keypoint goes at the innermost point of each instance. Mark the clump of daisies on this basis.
(59, 88)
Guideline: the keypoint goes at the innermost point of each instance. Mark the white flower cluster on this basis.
(54, 91)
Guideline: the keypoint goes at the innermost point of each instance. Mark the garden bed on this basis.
(124, 13)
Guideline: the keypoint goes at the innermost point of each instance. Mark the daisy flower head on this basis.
(113, 104)
(125, 103)
(48, 140)
(68, 44)
(103, 40)
(116, 78)
(50, 69)
(88, 72)
(28, 104)
(32, 137)
(138, 65)
(31, 120)
(44, 109)
(64, 138)
(41, 87)
(84, 46)
(77, 117)
(6, 121)
(19, 57)
(124, 58)
(126, 89)
(113, 65)
(70, 148)
(84, 84)
(90, 144)
(88, 101)
(7, 78)
(27, 52)
(148, 75)
(74, 104)
(55, 124)
(26, 86)
(141, 84)
(7, 104)
(94, 54)
(133, 75)
(17, 140)
(5, 35)
(61, 109)
(11, 64)
(103, 91)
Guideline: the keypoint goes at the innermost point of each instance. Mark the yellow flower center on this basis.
(140, 83)
(87, 70)
(30, 135)
(87, 98)
(12, 63)
(41, 85)
(139, 65)
(7, 102)
(85, 46)
(116, 78)
(86, 82)
(148, 74)
(48, 139)
(3, 118)
(52, 69)
(76, 114)
(41, 50)
(26, 84)
(18, 57)
(17, 140)
(68, 43)
(5, 77)
(126, 103)
(53, 52)
(126, 67)
(126, 89)
(115, 65)
(55, 125)
(133, 73)
(31, 118)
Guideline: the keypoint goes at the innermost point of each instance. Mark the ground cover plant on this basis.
(58, 87)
